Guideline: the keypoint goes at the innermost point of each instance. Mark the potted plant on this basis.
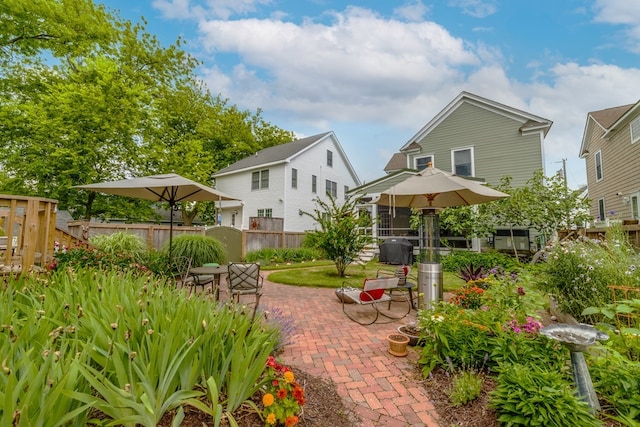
(413, 331)
(398, 344)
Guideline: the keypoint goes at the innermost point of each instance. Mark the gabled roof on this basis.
(381, 184)
(273, 155)
(398, 161)
(608, 119)
(530, 121)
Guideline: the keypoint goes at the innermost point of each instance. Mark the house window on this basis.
(265, 213)
(314, 184)
(260, 179)
(294, 178)
(635, 130)
(329, 158)
(598, 159)
(346, 190)
(332, 188)
(635, 207)
(462, 161)
(422, 162)
(601, 215)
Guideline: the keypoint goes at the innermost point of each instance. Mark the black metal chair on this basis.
(245, 279)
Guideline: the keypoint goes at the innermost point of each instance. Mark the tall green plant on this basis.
(120, 243)
(579, 272)
(529, 395)
(342, 235)
(200, 249)
(84, 340)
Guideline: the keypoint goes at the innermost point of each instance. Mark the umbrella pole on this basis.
(171, 205)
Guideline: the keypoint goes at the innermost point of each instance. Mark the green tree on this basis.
(86, 96)
(342, 235)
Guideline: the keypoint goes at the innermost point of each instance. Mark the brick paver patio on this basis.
(380, 388)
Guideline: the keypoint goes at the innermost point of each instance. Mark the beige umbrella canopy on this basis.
(171, 188)
(435, 188)
(432, 189)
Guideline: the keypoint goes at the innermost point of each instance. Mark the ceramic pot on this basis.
(398, 344)
(413, 339)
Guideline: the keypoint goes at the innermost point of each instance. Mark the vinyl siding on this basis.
(284, 200)
(621, 174)
(499, 147)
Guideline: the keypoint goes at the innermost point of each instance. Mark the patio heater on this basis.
(430, 281)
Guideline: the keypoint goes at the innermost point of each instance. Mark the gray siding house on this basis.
(611, 149)
(477, 137)
(473, 137)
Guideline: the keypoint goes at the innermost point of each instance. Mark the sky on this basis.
(375, 72)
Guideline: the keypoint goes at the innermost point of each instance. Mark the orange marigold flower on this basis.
(271, 418)
(267, 399)
(282, 393)
(298, 392)
(291, 421)
(288, 376)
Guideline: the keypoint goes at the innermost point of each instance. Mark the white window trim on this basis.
(415, 160)
(595, 164)
(635, 196)
(635, 136)
(473, 161)
(604, 210)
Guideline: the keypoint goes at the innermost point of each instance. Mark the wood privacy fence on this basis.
(237, 242)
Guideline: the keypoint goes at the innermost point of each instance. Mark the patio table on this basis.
(216, 272)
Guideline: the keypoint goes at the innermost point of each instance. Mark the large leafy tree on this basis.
(87, 97)
(342, 235)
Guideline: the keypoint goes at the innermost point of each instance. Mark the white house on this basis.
(282, 181)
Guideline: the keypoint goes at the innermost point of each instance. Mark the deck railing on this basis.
(28, 228)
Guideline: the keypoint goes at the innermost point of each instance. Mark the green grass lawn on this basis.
(323, 274)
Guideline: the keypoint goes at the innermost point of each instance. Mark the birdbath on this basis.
(577, 338)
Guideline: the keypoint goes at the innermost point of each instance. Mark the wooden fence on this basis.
(237, 242)
(633, 231)
(28, 228)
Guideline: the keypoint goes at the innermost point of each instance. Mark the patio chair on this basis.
(373, 292)
(180, 270)
(402, 273)
(245, 279)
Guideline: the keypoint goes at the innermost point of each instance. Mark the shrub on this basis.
(529, 395)
(119, 243)
(617, 381)
(269, 256)
(458, 260)
(199, 248)
(579, 272)
(466, 386)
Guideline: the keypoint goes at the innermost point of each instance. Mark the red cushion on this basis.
(372, 295)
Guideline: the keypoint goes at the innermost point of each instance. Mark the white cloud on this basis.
(358, 67)
(621, 12)
(412, 11)
(475, 8)
(224, 9)
(376, 81)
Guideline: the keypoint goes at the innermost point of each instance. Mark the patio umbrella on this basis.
(171, 188)
(435, 188)
(432, 189)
